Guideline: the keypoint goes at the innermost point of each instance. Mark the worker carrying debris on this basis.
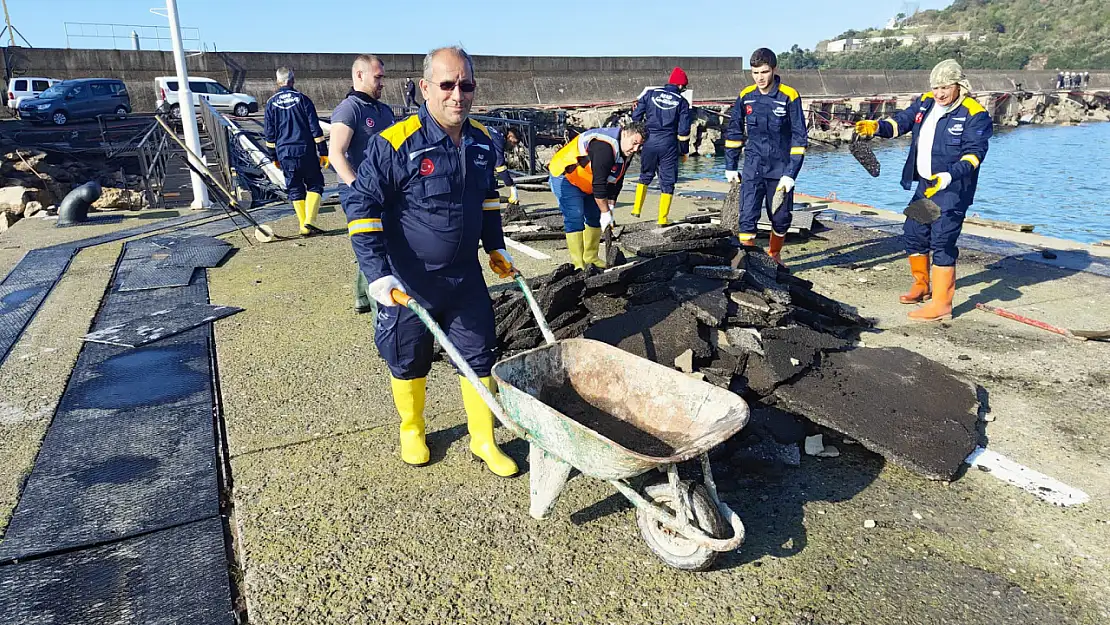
(667, 116)
(768, 123)
(501, 142)
(293, 133)
(950, 135)
(586, 177)
(422, 200)
(358, 117)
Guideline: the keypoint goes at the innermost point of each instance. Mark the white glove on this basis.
(607, 220)
(943, 180)
(732, 176)
(612, 205)
(382, 290)
(787, 183)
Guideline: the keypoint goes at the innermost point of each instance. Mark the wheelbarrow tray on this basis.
(644, 416)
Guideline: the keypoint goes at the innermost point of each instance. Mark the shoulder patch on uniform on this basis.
(790, 92)
(972, 105)
(399, 132)
(928, 95)
(477, 124)
(746, 90)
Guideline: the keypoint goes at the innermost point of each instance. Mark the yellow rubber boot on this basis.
(944, 289)
(479, 421)
(641, 193)
(311, 210)
(574, 248)
(664, 208)
(298, 207)
(591, 241)
(408, 396)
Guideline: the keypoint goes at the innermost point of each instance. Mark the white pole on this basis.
(185, 103)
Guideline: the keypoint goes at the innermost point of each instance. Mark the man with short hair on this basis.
(667, 116)
(293, 133)
(768, 123)
(586, 176)
(358, 117)
(422, 200)
(951, 131)
(410, 93)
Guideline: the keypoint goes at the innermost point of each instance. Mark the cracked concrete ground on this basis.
(336, 529)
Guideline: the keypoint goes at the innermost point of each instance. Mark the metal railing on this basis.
(218, 133)
(152, 154)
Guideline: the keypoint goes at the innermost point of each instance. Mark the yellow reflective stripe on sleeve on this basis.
(683, 137)
(501, 168)
(971, 158)
(270, 145)
(893, 125)
(491, 204)
(321, 139)
(360, 226)
(797, 151)
(732, 143)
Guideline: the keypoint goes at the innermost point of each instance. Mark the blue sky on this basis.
(579, 28)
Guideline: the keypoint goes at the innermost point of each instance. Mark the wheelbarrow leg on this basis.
(547, 477)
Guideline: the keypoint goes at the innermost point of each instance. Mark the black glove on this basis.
(683, 147)
(322, 149)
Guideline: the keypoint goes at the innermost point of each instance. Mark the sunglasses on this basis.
(465, 87)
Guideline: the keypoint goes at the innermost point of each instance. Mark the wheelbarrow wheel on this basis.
(674, 549)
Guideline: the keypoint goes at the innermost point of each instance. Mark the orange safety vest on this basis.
(573, 160)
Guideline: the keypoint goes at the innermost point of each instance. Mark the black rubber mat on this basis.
(93, 220)
(131, 448)
(178, 575)
(153, 274)
(161, 324)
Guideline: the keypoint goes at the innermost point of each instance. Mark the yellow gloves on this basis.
(867, 127)
(501, 263)
(940, 182)
(324, 162)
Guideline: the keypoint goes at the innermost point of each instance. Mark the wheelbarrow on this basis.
(614, 416)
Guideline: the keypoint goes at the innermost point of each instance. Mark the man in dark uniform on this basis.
(667, 116)
(293, 132)
(358, 117)
(951, 131)
(410, 93)
(768, 123)
(423, 199)
(501, 168)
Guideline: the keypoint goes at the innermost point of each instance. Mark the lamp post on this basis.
(185, 105)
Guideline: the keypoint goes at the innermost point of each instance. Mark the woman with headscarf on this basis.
(950, 135)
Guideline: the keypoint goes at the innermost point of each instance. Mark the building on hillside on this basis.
(852, 44)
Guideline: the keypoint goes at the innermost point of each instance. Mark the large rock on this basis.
(14, 199)
(112, 197)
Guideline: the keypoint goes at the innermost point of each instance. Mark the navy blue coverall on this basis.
(291, 128)
(667, 116)
(959, 147)
(499, 165)
(771, 128)
(417, 211)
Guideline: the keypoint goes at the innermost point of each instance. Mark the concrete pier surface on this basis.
(331, 527)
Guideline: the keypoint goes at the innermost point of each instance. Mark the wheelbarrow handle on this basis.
(407, 301)
(548, 335)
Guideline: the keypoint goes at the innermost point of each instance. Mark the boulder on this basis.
(14, 199)
(112, 197)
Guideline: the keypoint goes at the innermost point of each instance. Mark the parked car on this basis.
(26, 87)
(220, 97)
(83, 98)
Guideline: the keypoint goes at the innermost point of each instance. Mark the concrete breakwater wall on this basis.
(503, 80)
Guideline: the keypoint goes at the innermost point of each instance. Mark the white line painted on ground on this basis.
(1041, 485)
(531, 251)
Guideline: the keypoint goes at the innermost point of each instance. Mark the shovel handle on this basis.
(401, 297)
(545, 329)
(1001, 312)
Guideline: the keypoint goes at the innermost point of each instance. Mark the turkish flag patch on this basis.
(748, 109)
(427, 167)
(920, 116)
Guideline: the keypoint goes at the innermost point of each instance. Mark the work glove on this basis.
(276, 163)
(940, 182)
(607, 219)
(513, 199)
(322, 150)
(867, 127)
(732, 176)
(684, 147)
(501, 263)
(786, 183)
(324, 162)
(612, 205)
(382, 290)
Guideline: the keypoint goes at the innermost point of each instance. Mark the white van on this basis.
(24, 87)
(221, 99)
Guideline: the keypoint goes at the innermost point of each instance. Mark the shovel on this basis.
(1082, 335)
(923, 211)
(861, 150)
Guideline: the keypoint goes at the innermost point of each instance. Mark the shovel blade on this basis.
(923, 211)
(264, 234)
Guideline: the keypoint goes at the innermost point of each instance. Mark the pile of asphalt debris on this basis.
(731, 316)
